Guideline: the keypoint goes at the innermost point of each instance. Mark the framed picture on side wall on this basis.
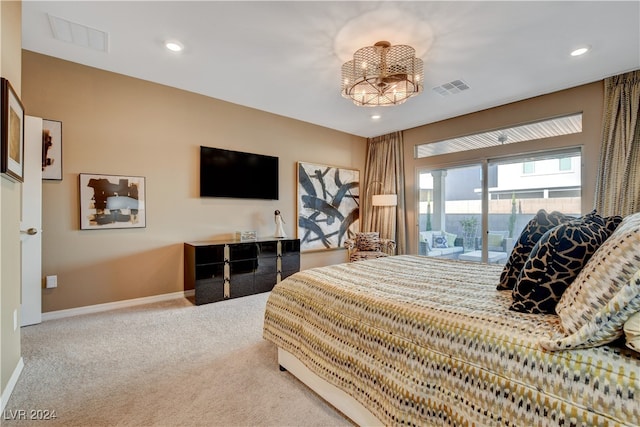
(11, 133)
(112, 201)
(328, 205)
(51, 149)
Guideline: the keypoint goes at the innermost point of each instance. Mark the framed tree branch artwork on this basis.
(328, 210)
(51, 149)
(11, 133)
(112, 201)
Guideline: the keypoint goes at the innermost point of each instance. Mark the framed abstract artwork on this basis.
(51, 149)
(112, 201)
(328, 210)
(11, 133)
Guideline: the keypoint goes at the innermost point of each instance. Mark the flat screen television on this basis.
(234, 174)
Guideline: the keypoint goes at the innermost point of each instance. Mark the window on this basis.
(451, 202)
(528, 167)
(564, 164)
(450, 207)
(542, 129)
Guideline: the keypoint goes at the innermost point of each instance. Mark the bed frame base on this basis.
(340, 400)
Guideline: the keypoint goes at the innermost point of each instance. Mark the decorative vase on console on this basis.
(279, 225)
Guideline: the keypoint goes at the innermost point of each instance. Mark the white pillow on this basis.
(428, 237)
(632, 332)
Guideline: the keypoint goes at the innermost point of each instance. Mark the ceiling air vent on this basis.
(79, 34)
(451, 88)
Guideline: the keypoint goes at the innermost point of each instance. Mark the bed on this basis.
(414, 340)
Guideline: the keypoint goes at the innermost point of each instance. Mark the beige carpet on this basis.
(164, 364)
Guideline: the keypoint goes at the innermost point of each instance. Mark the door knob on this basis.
(31, 231)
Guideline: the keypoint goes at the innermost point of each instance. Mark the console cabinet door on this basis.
(209, 254)
(210, 290)
(242, 251)
(241, 278)
(242, 267)
(266, 273)
(290, 257)
(204, 272)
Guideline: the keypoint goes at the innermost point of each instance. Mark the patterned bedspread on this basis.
(428, 341)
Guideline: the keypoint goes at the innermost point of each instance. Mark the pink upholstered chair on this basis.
(369, 245)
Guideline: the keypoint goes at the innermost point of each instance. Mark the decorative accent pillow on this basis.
(608, 270)
(632, 332)
(368, 241)
(427, 238)
(606, 323)
(494, 240)
(533, 231)
(556, 260)
(440, 242)
(451, 238)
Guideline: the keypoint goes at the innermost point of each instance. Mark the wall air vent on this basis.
(79, 34)
(451, 88)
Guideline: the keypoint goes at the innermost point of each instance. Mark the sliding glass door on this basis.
(450, 209)
(460, 218)
(522, 186)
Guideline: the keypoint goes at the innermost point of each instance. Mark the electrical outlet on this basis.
(51, 282)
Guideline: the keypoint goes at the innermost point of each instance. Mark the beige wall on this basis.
(113, 124)
(10, 43)
(587, 99)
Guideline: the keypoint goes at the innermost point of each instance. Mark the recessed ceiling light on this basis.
(376, 116)
(174, 46)
(580, 51)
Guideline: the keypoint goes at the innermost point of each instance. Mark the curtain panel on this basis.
(384, 174)
(618, 184)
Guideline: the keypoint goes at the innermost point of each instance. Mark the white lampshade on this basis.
(384, 200)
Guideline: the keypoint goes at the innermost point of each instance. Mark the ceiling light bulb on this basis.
(580, 51)
(375, 116)
(174, 46)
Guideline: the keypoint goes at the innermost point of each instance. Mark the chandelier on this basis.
(382, 75)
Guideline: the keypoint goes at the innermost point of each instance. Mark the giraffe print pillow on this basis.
(533, 231)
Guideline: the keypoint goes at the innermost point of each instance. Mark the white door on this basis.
(31, 223)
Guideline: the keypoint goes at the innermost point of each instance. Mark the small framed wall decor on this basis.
(51, 149)
(11, 133)
(112, 201)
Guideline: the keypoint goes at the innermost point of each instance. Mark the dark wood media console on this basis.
(231, 269)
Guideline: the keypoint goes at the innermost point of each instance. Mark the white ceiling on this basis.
(285, 57)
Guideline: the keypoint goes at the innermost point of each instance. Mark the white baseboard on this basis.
(6, 393)
(52, 315)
